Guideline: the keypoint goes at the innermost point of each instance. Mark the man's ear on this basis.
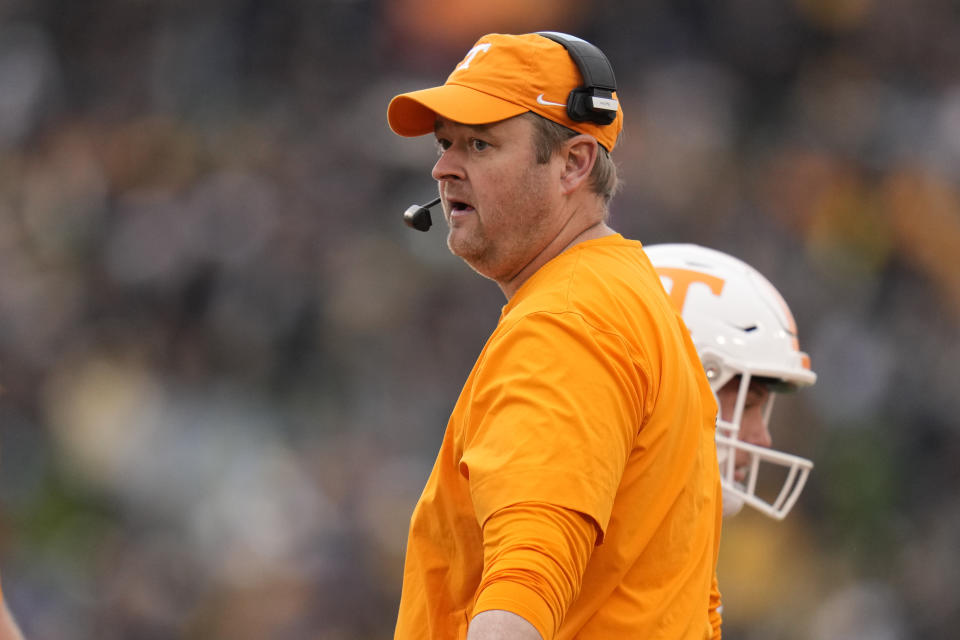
(580, 154)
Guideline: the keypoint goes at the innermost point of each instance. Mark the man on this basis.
(576, 493)
(747, 341)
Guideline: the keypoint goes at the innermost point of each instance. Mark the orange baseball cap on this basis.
(500, 77)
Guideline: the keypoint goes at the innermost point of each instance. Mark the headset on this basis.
(417, 216)
(593, 102)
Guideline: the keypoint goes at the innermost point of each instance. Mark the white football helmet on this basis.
(741, 326)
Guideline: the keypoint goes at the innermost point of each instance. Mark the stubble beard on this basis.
(498, 245)
(501, 261)
(474, 249)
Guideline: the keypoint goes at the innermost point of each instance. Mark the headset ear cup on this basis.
(580, 108)
(599, 81)
(576, 106)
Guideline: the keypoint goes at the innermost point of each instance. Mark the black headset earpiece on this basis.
(594, 101)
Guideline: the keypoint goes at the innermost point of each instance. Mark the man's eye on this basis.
(442, 145)
(478, 145)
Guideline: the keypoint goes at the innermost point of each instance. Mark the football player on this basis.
(747, 340)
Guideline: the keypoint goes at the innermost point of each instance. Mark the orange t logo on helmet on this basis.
(683, 278)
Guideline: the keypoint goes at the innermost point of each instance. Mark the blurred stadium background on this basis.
(226, 364)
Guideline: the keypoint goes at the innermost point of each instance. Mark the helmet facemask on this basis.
(771, 481)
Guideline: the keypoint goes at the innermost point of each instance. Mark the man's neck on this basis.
(598, 230)
(557, 246)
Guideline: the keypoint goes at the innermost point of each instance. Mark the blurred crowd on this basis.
(226, 365)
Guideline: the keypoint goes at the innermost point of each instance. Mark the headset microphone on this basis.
(418, 216)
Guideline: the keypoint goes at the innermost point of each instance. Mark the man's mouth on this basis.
(459, 207)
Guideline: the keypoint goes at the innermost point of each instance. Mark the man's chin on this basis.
(465, 246)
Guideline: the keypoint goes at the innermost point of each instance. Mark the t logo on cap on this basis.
(470, 55)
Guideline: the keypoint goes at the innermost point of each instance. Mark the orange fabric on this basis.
(534, 555)
(500, 77)
(716, 621)
(589, 396)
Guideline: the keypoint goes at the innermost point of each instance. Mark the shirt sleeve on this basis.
(553, 417)
(534, 559)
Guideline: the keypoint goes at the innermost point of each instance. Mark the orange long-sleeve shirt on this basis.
(577, 483)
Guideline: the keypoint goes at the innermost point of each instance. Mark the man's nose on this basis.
(447, 167)
(753, 429)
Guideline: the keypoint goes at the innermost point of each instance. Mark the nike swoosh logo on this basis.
(540, 100)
